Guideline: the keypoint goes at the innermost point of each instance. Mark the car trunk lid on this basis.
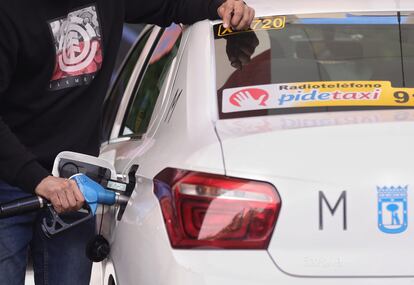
(345, 182)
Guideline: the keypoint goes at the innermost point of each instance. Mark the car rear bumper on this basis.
(234, 268)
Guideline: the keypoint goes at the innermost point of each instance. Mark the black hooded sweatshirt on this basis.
(56, 60)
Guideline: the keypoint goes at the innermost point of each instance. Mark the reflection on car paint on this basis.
(248, 126)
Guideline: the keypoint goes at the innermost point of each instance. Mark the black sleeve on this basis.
(164, 12)
(18, 166)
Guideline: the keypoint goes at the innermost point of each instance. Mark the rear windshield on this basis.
(316, 63)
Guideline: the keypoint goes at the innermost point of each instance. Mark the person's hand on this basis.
(236, 14)
(64, 194)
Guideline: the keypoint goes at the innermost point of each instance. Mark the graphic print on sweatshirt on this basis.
(77, 40)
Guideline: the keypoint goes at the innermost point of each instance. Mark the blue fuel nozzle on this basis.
(93, 192)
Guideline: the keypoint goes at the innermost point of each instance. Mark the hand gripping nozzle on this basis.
(94, 195)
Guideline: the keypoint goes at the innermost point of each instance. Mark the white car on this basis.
(278, 155)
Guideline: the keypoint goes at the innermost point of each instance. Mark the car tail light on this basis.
(212, 211)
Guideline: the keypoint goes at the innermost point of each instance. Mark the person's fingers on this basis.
(56, 203)
(238, 14)
(71, 199)
(252, 13)
(63, 201)
(80, 200)
(78, 194)
(221, 11)
(64, 195)
(79, 204)
(227, 13)
(244, 22)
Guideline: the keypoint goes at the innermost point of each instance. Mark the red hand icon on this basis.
(251, 97)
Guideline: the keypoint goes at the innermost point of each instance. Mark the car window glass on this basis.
(112, 102)
(146, 95)
(314, 54)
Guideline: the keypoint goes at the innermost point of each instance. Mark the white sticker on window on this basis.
(316, 94)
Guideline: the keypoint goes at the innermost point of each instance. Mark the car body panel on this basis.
(171, 116)
(361, 150)
(168, 133)
(182, 142)
(301, 163)
(141, 254)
